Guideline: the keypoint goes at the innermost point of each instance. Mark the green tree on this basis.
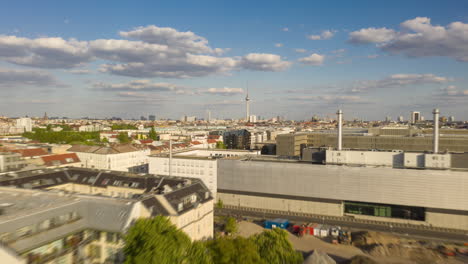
(220, 204)
(237, 250)
(274, 247)
(105, 140)
(152, 134)
(220, 145)
(123, 126)
(198, 253)
(123, 137)
(231, 225)
(157, 240)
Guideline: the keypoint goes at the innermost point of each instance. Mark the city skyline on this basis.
(371, 60)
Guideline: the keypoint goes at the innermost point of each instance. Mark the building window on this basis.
(94, 251)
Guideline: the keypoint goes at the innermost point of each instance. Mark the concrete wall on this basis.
(447, 218)
(288, 205)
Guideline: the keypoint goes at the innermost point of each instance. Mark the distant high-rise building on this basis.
(25, 123)
(152, 118)
(45, 116)
(142, 118)
(253, 119)
(415, 117)
(451, 119)
(388, 118)
(401, 119)
(208, 116)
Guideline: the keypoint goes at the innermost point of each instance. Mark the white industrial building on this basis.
(432, 197)
(393, 186)
(201, 163)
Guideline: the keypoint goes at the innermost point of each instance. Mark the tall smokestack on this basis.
(436, 131)
(340, 129)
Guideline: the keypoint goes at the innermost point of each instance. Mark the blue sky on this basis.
(174, 58)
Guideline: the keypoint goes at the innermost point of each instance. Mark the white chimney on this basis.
(436, 131)
(340, 129)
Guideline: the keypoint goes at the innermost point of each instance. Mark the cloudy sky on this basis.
(175, 58)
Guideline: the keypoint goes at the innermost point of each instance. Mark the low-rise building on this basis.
(11, 161)
(120, 157)
(74, 215)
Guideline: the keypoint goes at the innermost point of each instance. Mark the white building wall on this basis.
(24, 123)
(370, 158)
(118, 162)
(204, 169)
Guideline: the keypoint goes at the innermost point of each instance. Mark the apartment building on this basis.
(120, 157)
(11, 161)
(76, 215)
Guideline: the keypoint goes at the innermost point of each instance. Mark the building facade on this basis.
(425, 197)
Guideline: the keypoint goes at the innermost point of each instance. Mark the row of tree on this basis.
(63, 137)
(157, 240)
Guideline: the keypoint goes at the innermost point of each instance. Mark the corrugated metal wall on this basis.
(423, 188)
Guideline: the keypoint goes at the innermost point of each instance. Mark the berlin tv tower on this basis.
(247, 106)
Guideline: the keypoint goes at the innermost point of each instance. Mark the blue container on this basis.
(277, 223)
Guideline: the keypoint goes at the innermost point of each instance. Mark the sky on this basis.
(296, 59)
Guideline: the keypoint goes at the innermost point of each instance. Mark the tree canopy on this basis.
(274, 247)
(123, 126)
(220, 145)
(62, 137)
(236, 250)
(152, 134)
(156, 240)
(123, 137)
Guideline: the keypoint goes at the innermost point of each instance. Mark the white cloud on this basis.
(453, 91)
(300, 50)
(326, 34)
(285, 29)
(419, 38)
(330, 99)
(224, 91)
(397, 80)
(137, 85)
(170, 37)
(264, 62)
(314, 59)
(338, 51)
(372, 35)
(79, 71)
(10, 78)
(372, 56)
(279, 45)
(44, 52)
(155, 52)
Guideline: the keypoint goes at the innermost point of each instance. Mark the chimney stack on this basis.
(340, 129)
(436, 131)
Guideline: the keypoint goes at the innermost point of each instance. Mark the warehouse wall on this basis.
(447, 218)
(320, 207)
(409, 187)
